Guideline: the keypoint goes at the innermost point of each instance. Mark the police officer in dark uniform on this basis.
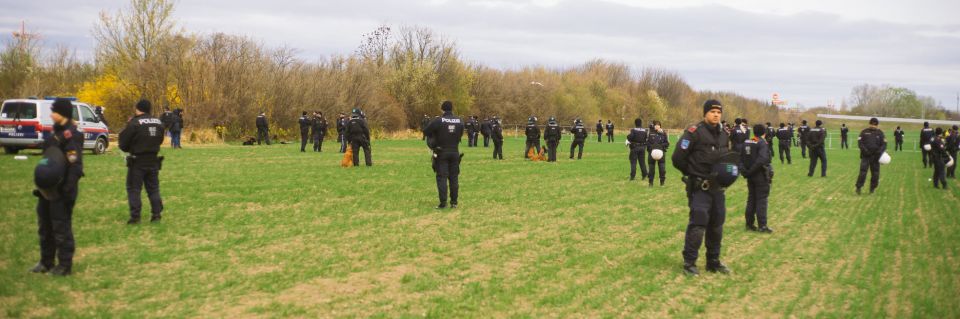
(609, 129)
(756, 169)
(443, 137)
(843, 136)
(599, 131)
(472, 127)
(637, 142)
(551, 136)
(579, 136)
(657, 140)
(496, 131)
(784, 136)
(318, 129)
(533, 136)
(771, 132)
(926, 136)
(341, 130)
(141, 139)
(953, 145)
(305, 124)
(802, 137)
(898, 137)
(55, 206)
(358, 134)
(263, 128)
(938, 157)
(99, 113)
(872, 144)
(739, 135)
(814, 140)
(423, 124)
(485, 131)
(793, 139)
(708, 168)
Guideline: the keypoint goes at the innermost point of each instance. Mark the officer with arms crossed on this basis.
(141, 139)
(708, 168)
(443, 138)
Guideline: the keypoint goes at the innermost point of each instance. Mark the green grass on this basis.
(271, 232)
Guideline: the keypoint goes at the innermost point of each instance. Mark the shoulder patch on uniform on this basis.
(692, 129)
(684, 143)
(68, 134)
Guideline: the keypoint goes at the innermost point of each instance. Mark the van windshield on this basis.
(19, 110)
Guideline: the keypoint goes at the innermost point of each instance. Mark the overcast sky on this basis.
(811, 52)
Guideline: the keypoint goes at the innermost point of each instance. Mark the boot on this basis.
(716, 266)
(690, 269)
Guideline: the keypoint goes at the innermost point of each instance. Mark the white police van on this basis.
(24, 123)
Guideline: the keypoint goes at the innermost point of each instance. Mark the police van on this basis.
(24, 123)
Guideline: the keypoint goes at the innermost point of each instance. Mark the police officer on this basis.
(898, 136)
(802, 136)
(938, 157)
(657, 140)
(793, 139)
(496, 131)
(341, 130)
(551, 136)
(953, 145)
(99, 113)
(579, 136)
(739, 134)
(485, 131)
(756, 169)
(814, 140)
(176, 128)
(443, 137)
(141, 139)
(263, 129)
(533, 136)
(637, 143)
(843, 136)
(784, 136)
(770, 133)
(872, 144)
(358, 133)
(708, 168)
(926, 136)
(423, 125)
(472, 128)
(318, 130)
(609, 129)
(599, 131)
(305, 124)
(55, 207)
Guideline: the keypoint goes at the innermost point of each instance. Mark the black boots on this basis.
(40, 268)
(690, 269)
(60, 270)
(717, 267)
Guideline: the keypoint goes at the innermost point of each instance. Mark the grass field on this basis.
(271, 232)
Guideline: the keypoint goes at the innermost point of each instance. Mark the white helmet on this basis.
(950, 163)
(656, 154)
(885, 158)
(926, 147)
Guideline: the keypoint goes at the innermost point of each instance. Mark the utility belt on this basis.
(699, 183)
(144, 159)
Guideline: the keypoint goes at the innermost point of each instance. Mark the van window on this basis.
(19, 110)
(87, 115)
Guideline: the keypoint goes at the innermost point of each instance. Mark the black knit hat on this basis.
(712, 104)
(447, 106)
(63, 107)
(874, 121)
(143, 106)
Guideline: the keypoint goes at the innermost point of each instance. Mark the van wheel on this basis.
(11, 150)
(100, 147)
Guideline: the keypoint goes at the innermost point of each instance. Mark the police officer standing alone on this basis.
(784, 136)
(358, 134)
(55, 208)
(305, 124)
(637, 142)
(657, 140)
(759, 174)
(872, 145)
(551, 135)
(496, 131)
(533, 137)
(705, 161)
(318, 131)
(263, 129)
(843, 136)
(141, 139)
(814, 140)
(443, 138)
(898, 136)
(599, 131)
(926, 136)
(953, 145)
(609, 131)
(579, 136)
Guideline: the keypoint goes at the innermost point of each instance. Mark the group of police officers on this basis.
(711, 156)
